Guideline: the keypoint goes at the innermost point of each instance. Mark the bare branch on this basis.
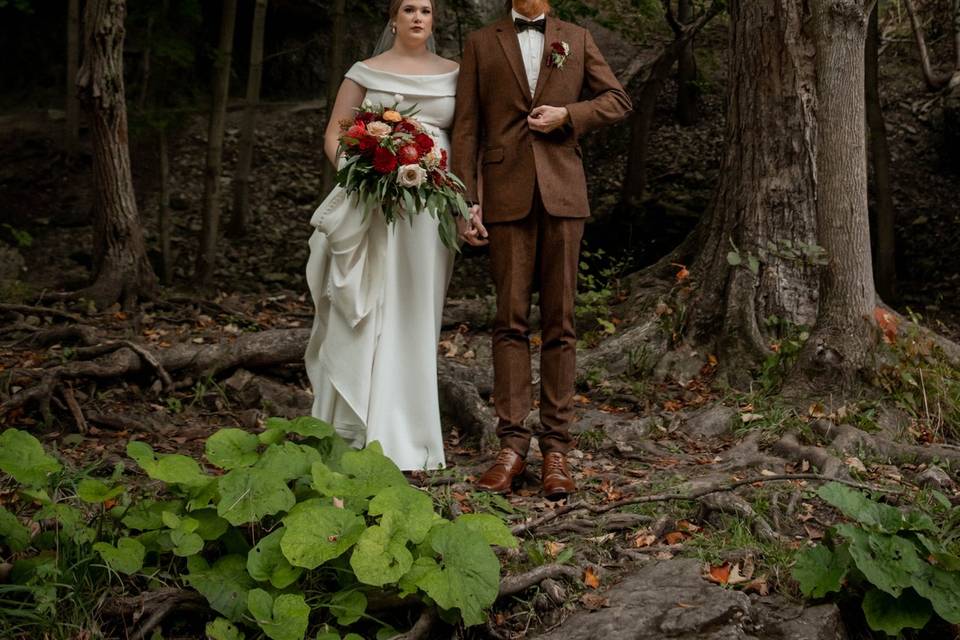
(934, 81)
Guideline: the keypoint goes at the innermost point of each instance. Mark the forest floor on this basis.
(640, 433)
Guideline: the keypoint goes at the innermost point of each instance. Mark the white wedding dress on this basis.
(378, 292)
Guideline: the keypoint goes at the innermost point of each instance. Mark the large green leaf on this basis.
(406, 510)
(285, 618)
(126, 557)
(248, 495)
(210, 526)
(856, 506)
(223, 629)
(893, 615)
(266, 562)
(468, 574)
(232, 448)
(821, 571)
(170, 468)
(94, 491)
(12, 532)
(887, 561)
(348, 606)
(224, 585)
(362, 474)
(381, 556)
(490, 528)
(305, 426)
(23, 457)
(288, 460)
(317, 533)
(942, 589)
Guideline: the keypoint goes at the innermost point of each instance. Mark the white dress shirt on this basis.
(531, 47)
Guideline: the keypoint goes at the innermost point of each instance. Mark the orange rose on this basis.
(392, 116)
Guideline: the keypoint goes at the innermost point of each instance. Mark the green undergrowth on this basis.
(900, 566)
(288, 534)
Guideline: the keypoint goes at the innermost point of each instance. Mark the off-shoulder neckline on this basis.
(409, 75)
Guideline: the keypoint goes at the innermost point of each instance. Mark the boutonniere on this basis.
(559, 52)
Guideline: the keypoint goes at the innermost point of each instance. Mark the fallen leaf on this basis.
(590, 578)
(758, 585)
(683, 273)
(593, 601)
(750, 417)
(814, 533)
(719, 574)
(686, 525)
(887, 323)
(644, 539)
(856, 464)
(607, 537)
(736, 576)
(553, 548)
(676, 537)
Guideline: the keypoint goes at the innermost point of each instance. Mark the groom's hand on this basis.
(546, 118)
(472, 231)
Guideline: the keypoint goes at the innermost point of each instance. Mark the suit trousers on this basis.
(538, 251)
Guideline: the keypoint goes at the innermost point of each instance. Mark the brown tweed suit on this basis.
(534, 200)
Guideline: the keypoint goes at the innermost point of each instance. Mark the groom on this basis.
(530, 86)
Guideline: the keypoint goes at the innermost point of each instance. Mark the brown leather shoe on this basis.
(555, 476)
(499, 477)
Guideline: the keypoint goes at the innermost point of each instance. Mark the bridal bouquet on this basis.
(394, 165)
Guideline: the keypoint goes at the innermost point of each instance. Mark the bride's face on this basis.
(414, 21)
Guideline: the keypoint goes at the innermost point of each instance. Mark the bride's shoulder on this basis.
(446, 65)
(431, 65)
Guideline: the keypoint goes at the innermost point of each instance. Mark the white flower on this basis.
(411, 175)
(379, 129)
(366, 105)
(398, 98)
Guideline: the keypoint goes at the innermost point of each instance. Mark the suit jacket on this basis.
(490, 122)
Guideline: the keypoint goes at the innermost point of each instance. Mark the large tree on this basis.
(122, 270)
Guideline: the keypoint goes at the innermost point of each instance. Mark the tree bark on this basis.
(688, 94)
(845, 333)
(884, 264)
(241, 178)
(337, 46)
(120, 261)
(72, 133)
(763, 212)
(206, 257)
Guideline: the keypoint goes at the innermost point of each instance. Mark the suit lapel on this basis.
(551, 35)
(507, 35)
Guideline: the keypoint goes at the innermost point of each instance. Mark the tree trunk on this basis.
(241, 178)
(884, 267)
(166, 256)
(688, 94)
(845, 333)
(763, 214)
(147, 54)
(122, 270)
(206, 257)
(337, 46)
(72, 134)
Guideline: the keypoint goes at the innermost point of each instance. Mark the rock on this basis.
(710, 423)
(936, 478)
(12, 264)
(681, 364)
(630, 431)
(670, 599)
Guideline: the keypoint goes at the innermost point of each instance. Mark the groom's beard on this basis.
(531, 8)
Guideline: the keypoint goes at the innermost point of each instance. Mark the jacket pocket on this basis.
(491, 156)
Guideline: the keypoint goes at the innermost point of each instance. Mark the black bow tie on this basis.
(522, 25)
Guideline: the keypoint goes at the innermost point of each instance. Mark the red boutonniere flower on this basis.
(559, 52)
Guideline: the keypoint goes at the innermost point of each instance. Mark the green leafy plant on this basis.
(296, 530)
(598, 287)
(903, 565)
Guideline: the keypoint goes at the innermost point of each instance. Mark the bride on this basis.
(378, 291)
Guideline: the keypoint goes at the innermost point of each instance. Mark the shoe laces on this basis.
(505, 457)
(554, 464)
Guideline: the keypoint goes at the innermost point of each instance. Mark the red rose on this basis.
(443, 159)
(368, 144)
(437, 178)
(383, 160)
(408, 154)
(405, 126)
(357, 131)
(424, 142)
(367, 117)
(558, 47)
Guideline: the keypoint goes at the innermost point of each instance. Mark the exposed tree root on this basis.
(154, 606)
(460, 398)
(512, 585)
(849, 439)
(729, 502)
(590, 526)
(422, 627)
(829, 465)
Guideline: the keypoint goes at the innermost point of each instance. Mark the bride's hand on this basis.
(472, 231)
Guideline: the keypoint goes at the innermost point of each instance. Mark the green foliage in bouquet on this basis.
(296, 532)
(904, 565)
